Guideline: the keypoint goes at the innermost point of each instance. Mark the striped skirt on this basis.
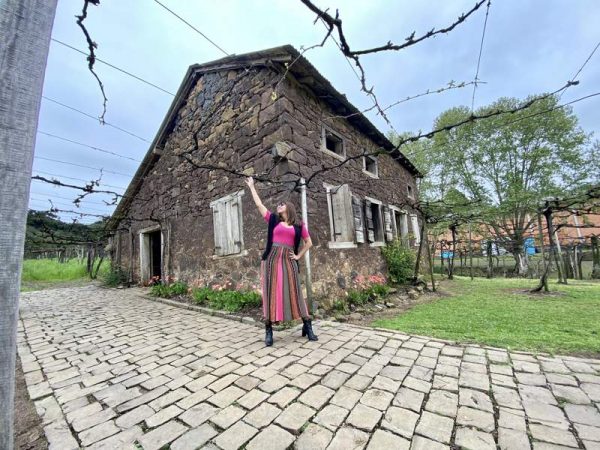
(281, 294)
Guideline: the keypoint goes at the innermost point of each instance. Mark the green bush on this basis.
(358, 297)
(115, 277)
(178, 288)
(227, 300)
(160, 290)
(400, 261)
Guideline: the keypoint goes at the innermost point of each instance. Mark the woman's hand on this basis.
(250, 182)
(294, 256)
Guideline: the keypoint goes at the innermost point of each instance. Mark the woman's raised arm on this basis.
(261, 208)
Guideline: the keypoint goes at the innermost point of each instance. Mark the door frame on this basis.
(145, 250)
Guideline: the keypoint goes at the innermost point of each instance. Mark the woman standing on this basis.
(281, 295)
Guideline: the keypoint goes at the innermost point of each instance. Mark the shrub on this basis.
(227, 300)
(160, 290)
(178, 288)
(400, 261)
(115, 277)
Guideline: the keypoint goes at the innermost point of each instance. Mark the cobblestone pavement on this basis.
(109, 369)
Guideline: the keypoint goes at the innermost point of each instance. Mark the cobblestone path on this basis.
(109, 369)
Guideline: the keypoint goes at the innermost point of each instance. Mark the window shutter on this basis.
(387, 223)
(342, 214)
(218, 221)
(236, 232)
(415, 227)
(357, 213)
(369, 222)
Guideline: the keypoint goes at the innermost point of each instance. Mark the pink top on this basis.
(282, 234)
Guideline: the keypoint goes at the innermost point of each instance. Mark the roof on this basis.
(302, 70)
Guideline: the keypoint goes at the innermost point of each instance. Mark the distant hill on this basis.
(47, 235)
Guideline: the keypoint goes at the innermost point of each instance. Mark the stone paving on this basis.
(108, 369)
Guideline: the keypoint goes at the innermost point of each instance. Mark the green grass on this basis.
(41, 273)
(498, 313)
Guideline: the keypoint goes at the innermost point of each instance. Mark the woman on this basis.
(281, 294)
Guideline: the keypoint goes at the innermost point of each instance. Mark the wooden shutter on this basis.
(359, 229)
(387, 224)
(236, 232)
(415, 227)
(219, 221)
(369, 222)
(341, 205)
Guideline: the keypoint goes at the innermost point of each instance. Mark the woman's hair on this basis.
(292, 216)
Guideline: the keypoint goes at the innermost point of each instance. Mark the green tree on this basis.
(508, 163)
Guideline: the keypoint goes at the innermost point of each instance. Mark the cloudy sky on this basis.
(530, 47)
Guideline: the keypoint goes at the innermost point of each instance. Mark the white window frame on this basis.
(331, 243)
(404, 224)
(410, 192)
(414, 219)
(236, 195)
(324, 149)
(381, 224)
(365, 171)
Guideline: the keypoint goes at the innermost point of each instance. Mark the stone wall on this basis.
(231, 120)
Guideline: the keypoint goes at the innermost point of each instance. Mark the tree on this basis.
(507, 163)
(25, 27)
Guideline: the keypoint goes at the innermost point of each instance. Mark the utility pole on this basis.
(25, 29)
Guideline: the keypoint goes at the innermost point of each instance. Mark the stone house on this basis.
(187, 213)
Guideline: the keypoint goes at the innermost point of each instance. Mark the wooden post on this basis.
(416, 274)
(470, 253)
(595, 257)
(425, 235)
(545, 272)
(451, 262)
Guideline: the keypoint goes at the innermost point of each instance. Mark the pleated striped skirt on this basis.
(281, 294)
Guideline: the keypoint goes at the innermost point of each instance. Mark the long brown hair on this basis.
(292, 216)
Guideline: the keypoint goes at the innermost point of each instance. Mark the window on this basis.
(228, 225)
(370, 166)
(332, 143)
(399, 223)
(410, 191)
(415, 229)
(341, 217)
(387, 224)
(374, 222)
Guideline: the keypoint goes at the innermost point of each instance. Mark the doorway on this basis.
(151, 249)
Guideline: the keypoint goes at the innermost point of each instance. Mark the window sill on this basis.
(235, 255)
(377, 244)
(335, 155)
(341, 245)
(371, 174)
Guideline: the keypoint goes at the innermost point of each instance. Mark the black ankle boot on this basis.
(308, 331)
(268, 334)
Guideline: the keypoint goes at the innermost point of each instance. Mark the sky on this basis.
(530, 47)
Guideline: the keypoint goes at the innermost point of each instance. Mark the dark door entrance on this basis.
(155, 259)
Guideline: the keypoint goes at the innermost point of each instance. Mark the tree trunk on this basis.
(25, 28)
(451, 261)
(490, 265)
(418, 263)
(544, 277)
(595, 257)
(429, 257)
(470, 253)
(553, 245)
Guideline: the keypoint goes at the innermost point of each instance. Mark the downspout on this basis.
(304, 205)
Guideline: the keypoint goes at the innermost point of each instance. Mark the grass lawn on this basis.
(498, 313)
(43, 273)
